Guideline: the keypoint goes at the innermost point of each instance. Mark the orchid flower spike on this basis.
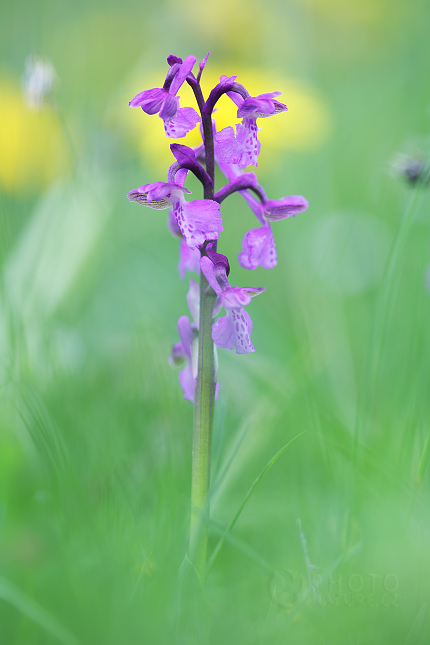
(197, 223)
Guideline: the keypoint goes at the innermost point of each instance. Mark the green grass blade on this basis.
(267, 467)
(31, 609)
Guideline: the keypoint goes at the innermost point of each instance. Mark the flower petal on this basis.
(141, 198)
(170, 108)
(234, 331)
(198, 220)
(149, 100)
(185, 120)
(193, 301)
(186, 382)
(182, 74)
(277, 209)
(259, 249)
(227, 148)
(186, 334)
(246, 135)
(178, 355)
(209, 271)
(189, 259)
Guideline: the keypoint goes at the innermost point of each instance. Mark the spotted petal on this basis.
(198, 220)
(259, 249)
(233, 331)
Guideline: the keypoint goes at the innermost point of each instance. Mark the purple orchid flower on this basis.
(232, 331)
(177, 121)
(181, 352)
(198, 220)
(258, 245)
(244, 148)
(186, 350)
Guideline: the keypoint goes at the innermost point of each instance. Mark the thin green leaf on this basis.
(32, 610)
(267, 467)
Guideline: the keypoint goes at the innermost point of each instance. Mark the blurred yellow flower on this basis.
(306, 125)
(33, 145)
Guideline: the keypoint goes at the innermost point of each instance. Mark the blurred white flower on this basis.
(38, 80)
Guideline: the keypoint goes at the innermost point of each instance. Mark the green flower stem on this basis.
(204, 396)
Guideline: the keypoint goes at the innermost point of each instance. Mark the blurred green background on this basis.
(95, 438)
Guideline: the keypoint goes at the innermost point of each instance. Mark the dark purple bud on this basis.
(174, 59)
(178, 356)
(203, 63)
(219, 261)
(186, 157)
(171, 75)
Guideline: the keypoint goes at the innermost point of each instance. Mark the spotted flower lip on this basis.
(177, 121)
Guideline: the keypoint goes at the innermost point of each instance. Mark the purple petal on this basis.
(163, 190)
(182, 74)
(181, 176)
(246, 135)
(186, 382)
(217, 280)
(173, 59)
(158, 195)
(199, 220)
(227, 148)
(178, 355)
(259, 249)
(141, 198)
(203, 62)
(221, 263)
(186, 334)
(261, 106)
(193, 301)
(223, 333)
(150, 99)
(234, 297)
(170, 108)
(234, 331)
(170, 76)
(242, 150)
(252, 107)
(236, 98)
(276, 209)
(189, 259)
(172, 225)
(185, 120)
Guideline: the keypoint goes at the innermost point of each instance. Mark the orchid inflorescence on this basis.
(198, 223)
